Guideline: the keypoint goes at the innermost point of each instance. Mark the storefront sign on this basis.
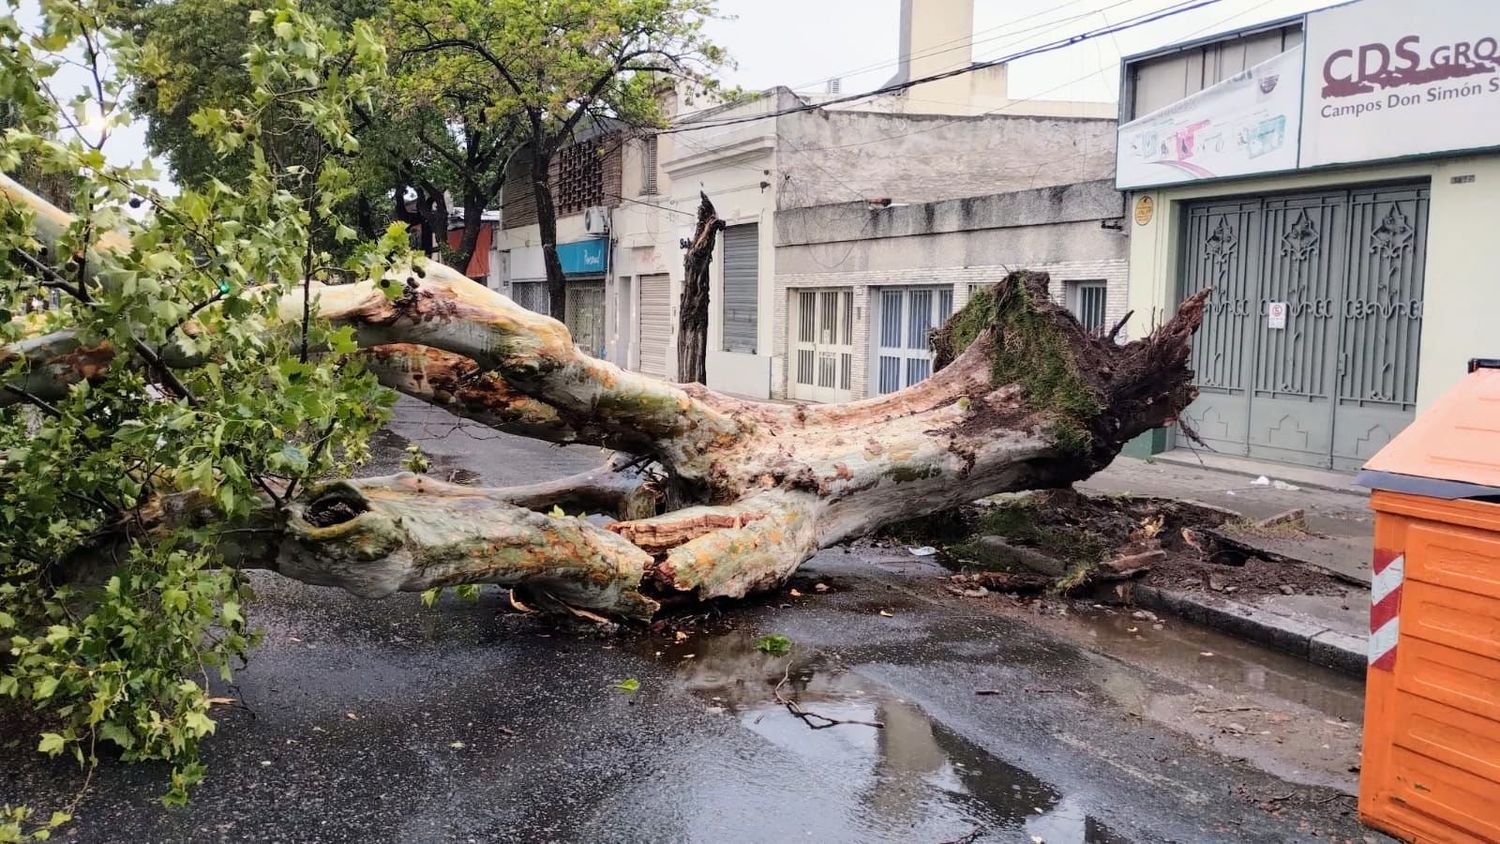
(583, 257)
(1392, 78)
(1245, 125)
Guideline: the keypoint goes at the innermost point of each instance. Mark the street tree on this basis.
(198, 399)
(121, 659)
(420, 141)
(558, 66)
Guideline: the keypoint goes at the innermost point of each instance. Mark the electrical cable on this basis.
(1052, 46)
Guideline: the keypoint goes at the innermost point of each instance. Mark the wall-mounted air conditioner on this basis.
(596, 220)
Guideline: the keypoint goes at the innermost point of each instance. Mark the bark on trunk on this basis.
(1027, 399)
(546, 221)
(692, 329)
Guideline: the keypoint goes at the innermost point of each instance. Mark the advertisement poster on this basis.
(1389, 78)
(1244, 125)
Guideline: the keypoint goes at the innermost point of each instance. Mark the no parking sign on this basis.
(1276, 315)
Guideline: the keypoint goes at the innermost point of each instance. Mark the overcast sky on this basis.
(803, 43)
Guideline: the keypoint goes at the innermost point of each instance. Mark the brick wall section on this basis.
(519, 210)
(1114, 272)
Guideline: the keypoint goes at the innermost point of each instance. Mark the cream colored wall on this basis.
(1461, 294)
(730, 164)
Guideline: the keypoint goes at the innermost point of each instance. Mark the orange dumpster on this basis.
(1431, 765)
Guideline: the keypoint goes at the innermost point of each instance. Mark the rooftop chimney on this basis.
(936, 36)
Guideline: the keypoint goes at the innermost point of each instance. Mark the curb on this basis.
(1313, 642)
(1312, 482)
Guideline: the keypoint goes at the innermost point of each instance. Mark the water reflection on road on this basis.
(914, 780)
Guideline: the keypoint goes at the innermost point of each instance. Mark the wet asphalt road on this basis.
(386, 721)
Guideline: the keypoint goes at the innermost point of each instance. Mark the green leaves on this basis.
(191, 279)
(51, 744)
(774, 644)
(629, 684)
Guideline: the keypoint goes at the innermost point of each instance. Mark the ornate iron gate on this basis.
(1333, 379)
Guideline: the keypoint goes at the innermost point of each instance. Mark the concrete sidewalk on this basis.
(1328, 629)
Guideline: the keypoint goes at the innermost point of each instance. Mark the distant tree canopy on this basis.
(545, 67)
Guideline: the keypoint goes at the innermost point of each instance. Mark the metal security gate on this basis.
(741, 287)
(903, 355)
(655, 324)
(583, 313)
(1328, 375)
(822, 357)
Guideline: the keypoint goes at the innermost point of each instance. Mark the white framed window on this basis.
(905, 317)
(1086, 300)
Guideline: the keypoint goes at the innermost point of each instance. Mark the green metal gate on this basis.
(1308, 350)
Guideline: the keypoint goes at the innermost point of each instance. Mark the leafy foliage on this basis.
(124, 653)
(774, 644)
(555, 69)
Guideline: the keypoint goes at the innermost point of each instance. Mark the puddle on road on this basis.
(914, 780)
(1232, 665)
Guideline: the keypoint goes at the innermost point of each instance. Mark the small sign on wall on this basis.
(1276, 315)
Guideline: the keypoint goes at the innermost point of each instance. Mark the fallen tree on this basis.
(1029, 400)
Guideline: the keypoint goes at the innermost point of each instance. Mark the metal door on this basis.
(741, 287)
(1336, 379)
(1381, 315)
(583, 313)
(823, 345)
(655, 323)
(1220, 245)
(1302, 260)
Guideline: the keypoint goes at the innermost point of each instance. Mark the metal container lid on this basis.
(1452, 450)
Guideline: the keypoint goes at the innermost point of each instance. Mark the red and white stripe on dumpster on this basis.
(1385, 608)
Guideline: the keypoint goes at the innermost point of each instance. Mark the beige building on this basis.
(859, 286)
(911, 200)
(1339, 207)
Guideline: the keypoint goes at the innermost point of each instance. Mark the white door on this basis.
(823, 345)
(655, 323)
(906, 316)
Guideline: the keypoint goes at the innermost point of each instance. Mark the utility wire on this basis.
(969, 41)
(1051, 46)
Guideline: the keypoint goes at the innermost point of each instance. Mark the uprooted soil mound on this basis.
(1202, 547)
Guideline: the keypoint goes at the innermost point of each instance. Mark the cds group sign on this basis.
(1384, 80)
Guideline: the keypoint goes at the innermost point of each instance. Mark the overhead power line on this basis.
(969, 42)
(1051, 46)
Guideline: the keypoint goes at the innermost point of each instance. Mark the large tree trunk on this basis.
(692, 320)
(546, 222)
(1029, 400)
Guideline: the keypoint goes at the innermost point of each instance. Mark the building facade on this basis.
(1331, 177)
(879, 184)
(859, 286)
(586, 181)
